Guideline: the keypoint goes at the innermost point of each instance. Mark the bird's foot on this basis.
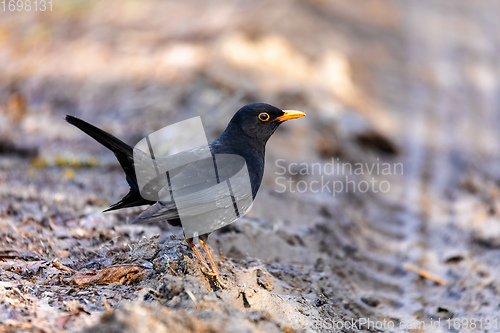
(219, 282)
(209, 273)
(216, 278)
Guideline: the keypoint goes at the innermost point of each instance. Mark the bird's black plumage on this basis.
(246, 135)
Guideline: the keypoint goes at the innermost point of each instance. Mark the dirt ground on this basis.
(408, 86)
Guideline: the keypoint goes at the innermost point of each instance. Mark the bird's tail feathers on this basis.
(124, 155)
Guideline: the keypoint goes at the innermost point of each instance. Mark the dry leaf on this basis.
(124, 274)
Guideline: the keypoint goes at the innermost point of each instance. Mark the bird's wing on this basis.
(183, 173)
(204, 194)
(158, 212)
(154, 174)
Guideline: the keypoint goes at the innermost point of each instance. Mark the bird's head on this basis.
(259, 120)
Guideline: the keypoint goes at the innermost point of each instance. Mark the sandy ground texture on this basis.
(407, 88)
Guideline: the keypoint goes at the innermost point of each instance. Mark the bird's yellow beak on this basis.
(290, 114)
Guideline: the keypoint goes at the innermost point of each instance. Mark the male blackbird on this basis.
(246, 135)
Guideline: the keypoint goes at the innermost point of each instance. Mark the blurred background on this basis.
(381, 81)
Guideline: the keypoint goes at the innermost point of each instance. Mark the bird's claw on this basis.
(216, 278)
(219, 282)
(212, 274)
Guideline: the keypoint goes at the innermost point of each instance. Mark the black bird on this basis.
(246, 135)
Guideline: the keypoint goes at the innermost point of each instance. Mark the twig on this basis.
(15, 289)
(424, 274)
(62, 267)
(191, 295)
(51, 224)
(106, 304)
(170, 267)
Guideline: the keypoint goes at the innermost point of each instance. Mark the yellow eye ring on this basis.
(263, 116)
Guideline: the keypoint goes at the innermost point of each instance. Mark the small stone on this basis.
(371, 301)
(263, 281)
(210, 297)
(444, 313)
(322, 300)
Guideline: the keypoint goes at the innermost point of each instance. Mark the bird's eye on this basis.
(264, 116)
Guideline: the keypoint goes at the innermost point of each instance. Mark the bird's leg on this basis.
(195, 250)
(215, 270)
